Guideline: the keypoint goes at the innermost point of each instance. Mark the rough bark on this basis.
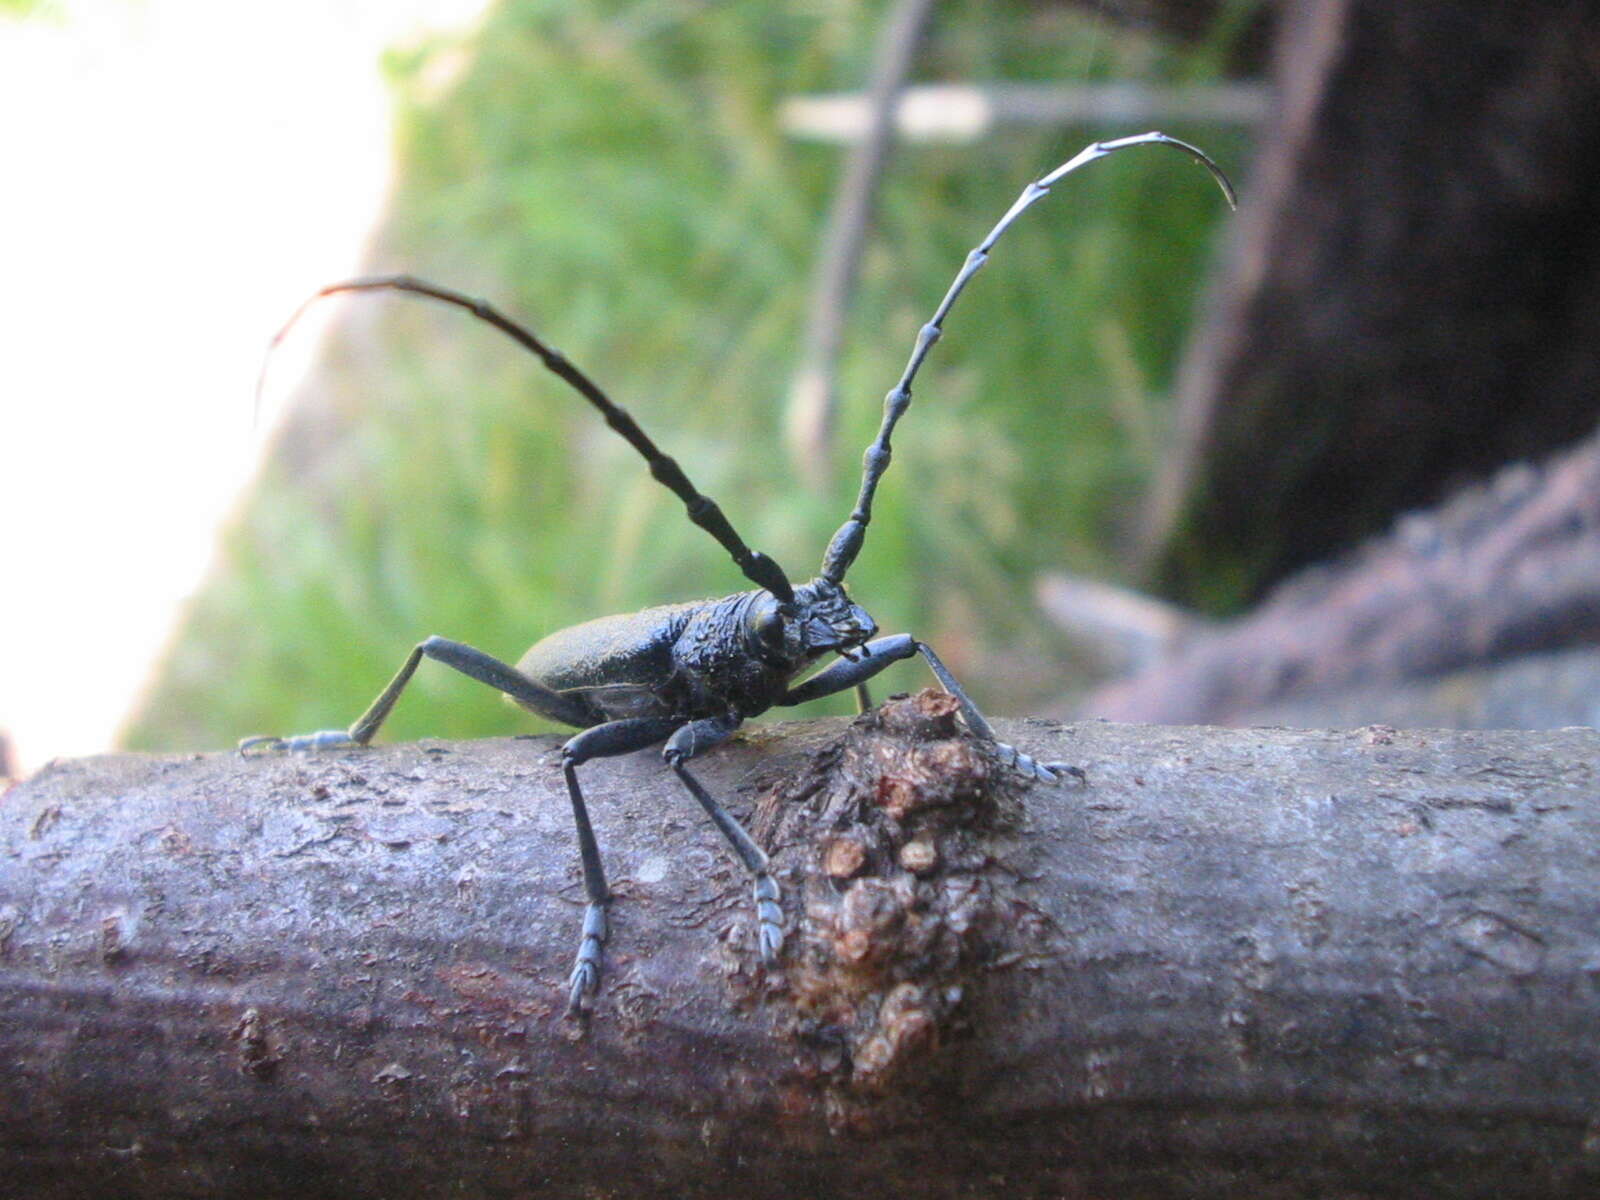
(1412, 293)
(1260, 963)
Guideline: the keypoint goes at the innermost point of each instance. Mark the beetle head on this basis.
(821, 618)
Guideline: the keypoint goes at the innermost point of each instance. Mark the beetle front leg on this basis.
(692, 739)
(882, 652)
(1045, 772)
(854, 672)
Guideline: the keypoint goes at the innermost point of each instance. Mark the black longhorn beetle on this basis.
(689, 674)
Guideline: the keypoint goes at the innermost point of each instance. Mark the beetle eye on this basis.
(769, 626)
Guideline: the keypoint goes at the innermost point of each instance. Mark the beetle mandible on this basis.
(690, 674)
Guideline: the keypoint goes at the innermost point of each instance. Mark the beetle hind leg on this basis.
(469, 660)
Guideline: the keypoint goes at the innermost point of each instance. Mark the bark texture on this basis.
(1263, 963)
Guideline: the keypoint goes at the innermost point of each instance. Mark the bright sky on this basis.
(175, 176)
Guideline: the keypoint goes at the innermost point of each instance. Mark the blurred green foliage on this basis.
(36, 9)
(614, 175)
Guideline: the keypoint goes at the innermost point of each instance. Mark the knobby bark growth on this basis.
(1262, 962)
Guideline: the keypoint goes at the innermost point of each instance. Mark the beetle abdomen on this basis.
(629, 648)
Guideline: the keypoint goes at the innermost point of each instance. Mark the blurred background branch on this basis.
(814, 394)
(963, 112)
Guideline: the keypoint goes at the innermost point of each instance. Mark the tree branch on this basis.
(1234, 962)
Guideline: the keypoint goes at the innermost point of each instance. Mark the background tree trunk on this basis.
(1412, 297)
(1261, 962)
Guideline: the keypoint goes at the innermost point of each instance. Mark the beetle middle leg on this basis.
(602, 741)
(880, 653)
(692, 739)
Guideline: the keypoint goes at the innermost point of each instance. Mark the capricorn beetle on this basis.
(690, 674)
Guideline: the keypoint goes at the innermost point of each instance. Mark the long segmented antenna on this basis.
(846, 544)
(761, 570)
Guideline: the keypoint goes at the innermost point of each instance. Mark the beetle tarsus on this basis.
(584, 981)
(769, 917)
(1026, 764)
(323, 739)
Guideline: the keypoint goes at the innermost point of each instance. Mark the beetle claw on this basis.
(1051, 772)
(582, 985)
